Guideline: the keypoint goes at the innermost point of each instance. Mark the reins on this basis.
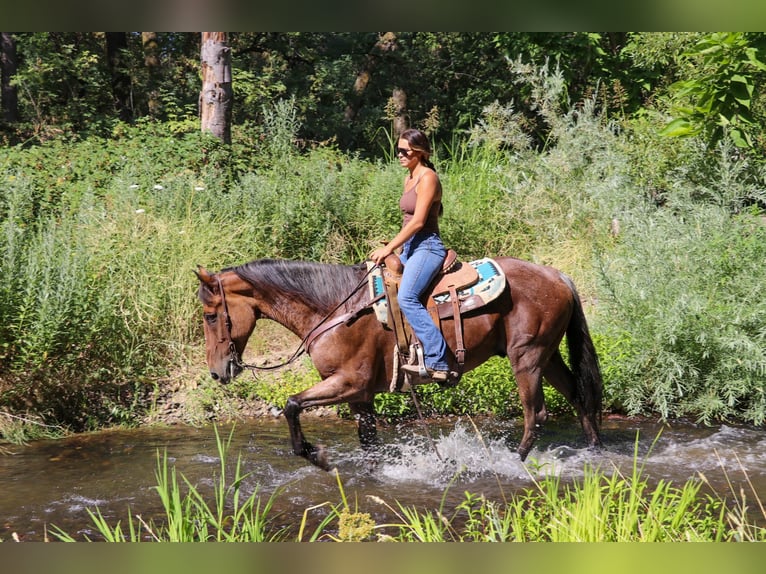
(305, 342)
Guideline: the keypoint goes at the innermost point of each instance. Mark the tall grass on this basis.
(99, 239)
(232, 516)
(682, 285)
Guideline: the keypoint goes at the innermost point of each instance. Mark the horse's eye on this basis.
(211, 317)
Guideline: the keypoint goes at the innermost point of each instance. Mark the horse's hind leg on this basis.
(366, 423)
(561, 377)
(529, 382)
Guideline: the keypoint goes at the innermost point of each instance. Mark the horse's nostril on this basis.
(214, 375)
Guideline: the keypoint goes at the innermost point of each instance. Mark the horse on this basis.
(353, 352)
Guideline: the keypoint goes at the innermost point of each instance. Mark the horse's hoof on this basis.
(318, 457)
(596, 445)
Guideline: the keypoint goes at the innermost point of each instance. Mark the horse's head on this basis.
(229, 319)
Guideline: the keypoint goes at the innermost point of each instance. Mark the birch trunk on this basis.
(216, 97)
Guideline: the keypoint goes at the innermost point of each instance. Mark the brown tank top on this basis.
(407, 205)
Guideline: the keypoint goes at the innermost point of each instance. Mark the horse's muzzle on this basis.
(232, 370)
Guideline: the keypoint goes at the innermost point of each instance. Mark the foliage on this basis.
(62, 82)
(277, 389)
(696, 344)
(76, 220)
(66, 85)
(490, 388)
(100, 237)
(720, 97)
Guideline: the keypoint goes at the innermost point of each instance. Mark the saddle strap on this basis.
(397, 321)
(346, 318)
(459, 344)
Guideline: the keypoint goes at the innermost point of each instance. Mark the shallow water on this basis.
(56, 482)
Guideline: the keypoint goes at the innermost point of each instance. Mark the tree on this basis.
(399, 104)
(151, 50)
(386, 43)
(216, 97)
(116, 46)
(729, 71)
(8, 67)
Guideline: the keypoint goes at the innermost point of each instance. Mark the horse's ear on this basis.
(203, 275)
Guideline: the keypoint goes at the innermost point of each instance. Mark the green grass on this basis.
(231, 516)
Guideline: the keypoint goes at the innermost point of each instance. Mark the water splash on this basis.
(464, 454)
(479, 458)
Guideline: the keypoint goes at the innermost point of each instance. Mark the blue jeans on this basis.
(424, 255)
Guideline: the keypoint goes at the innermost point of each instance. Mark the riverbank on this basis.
(191, 396)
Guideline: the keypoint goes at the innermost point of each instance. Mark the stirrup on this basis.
(421, 361)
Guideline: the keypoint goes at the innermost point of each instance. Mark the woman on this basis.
(422, 249)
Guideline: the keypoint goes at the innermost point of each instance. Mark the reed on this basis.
(232, 516)
(600, 507)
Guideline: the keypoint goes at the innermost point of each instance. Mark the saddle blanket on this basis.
(489, 286)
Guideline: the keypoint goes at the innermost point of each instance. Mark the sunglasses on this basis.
(403, 151)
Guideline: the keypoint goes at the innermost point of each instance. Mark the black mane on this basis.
(320, 284)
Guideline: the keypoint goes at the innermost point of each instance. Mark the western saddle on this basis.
(453, 277)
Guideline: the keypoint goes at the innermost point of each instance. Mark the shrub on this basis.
(687, 289)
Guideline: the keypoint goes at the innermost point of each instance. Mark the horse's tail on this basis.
(583, 360)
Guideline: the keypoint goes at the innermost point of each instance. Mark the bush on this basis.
(687, 289)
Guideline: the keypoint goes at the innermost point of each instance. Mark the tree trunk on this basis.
(216, 97)
(9, 101)
(152, 64)
(385, 43)
(401, 119)
(116, 44)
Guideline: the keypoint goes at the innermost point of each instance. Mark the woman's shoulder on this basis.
(428, 174)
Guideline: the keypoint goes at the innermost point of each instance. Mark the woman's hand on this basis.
(380, 254)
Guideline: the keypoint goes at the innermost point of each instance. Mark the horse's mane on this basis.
(323, 285)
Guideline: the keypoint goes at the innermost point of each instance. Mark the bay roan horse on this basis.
(354, 356)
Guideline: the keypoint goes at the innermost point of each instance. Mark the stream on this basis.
(55, 482)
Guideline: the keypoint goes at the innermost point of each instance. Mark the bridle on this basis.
(225, 326)
(224, 336)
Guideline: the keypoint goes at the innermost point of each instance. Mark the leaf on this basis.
(740, 138)
(752, 57)
(742, 89)
(679, 127)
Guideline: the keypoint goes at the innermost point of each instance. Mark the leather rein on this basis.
(320, 328)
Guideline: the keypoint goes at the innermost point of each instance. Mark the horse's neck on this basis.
(295, 316)
(298, 296)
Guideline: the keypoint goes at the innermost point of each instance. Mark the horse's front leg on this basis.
(366, 423)
(314, 454)
(333, 390)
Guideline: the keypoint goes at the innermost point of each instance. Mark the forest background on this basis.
(634, 162)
